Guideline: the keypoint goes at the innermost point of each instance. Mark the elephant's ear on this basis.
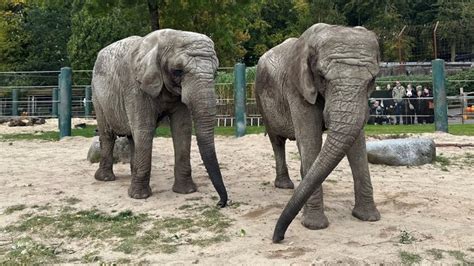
(300, 67)
(147, 69)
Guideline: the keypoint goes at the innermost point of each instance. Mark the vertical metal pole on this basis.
(55, 101)
(439, 96)
(239, 99)
(88, 103)
(15, 93)
(65, 99)
(59, 100)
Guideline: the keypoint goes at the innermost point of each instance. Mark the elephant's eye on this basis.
(177, 72)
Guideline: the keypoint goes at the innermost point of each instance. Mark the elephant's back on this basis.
(114, 55)
(111, 74)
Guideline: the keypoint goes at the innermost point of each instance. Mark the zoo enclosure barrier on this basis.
(235, 92)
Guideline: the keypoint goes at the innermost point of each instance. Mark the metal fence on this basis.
(34, 93)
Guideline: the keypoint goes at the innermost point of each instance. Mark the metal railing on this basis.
(35, 93)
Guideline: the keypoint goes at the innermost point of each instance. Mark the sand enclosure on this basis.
(429, 208)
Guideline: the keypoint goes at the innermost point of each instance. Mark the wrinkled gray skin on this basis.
(320, 80)
(139, 80)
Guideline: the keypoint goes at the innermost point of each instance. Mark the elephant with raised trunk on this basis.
(305, 85)
(137, 82)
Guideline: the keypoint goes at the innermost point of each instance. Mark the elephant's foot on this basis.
(103, 175)
(139, 191)
(284, 182)
(184, 187)
(314, 220)
(366, 212)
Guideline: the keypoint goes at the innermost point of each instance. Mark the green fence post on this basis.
(439, 96)
(239, 99)
(15, 93)
(59, 100)
(87, 101)
(55, 101)
(65, 99)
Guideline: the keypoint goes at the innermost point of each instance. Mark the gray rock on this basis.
(121, 151)
(413, 151)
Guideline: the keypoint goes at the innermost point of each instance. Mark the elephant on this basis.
(304, 86)
(137, 81)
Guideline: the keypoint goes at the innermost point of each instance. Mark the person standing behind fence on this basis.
(408, 107)
(430, 113)
(398, 92)
(421, 107)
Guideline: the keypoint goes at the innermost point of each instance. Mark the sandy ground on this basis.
(434, 206)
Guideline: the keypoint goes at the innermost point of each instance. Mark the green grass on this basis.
(459, 256)
(456, 129)
(205, 227)
(371, 130)
(409, 258)
(71, 200)
(89, 132)
(14, 208)
(406, 237)
(126, 232)
(81, 224)
(25, 251)
(436, 253)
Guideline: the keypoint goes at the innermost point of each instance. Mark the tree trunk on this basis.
(154, 14)
(453, 52)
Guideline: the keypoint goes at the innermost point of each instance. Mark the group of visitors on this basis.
(406, 106)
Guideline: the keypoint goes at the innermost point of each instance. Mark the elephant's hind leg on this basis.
(282, 179)
(107, 142)
(181, 127)
(364, 208)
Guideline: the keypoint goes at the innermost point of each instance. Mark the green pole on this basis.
(239, 99)
(55, 101)
(59, 100)
(88, 103)
(439, 96)
(65, 99)
(15, 94)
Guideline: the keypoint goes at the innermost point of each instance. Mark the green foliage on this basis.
(96, 25)
(48, 34)
(34, 34)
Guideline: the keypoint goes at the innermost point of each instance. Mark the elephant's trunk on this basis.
(203, 109)
(345, 115)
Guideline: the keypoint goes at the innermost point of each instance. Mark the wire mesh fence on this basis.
(452, 41)
(31, 93)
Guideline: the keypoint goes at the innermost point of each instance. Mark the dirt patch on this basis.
(48, 195)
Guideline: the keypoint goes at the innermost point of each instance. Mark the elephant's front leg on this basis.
(181, 127)
(141, 163)
(309, 140)
(364, 208)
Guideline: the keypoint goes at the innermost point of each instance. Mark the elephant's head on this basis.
(338, 64)
(184, 63)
